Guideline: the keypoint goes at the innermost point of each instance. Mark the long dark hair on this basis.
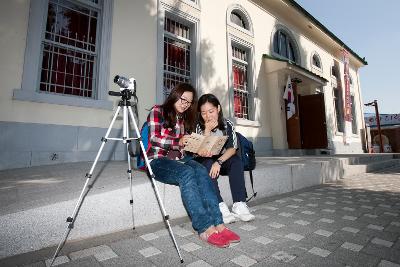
(168, 108)
(213, 100)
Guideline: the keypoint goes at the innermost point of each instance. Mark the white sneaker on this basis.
(240, 210)
(227, 216)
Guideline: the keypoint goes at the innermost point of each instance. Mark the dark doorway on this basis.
(312, 121)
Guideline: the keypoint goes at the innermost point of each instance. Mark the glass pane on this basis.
(353, 116)
(339, 110)
(283, 45)
(316, 61)
(237, 19)
(69, 47)
(72, 25)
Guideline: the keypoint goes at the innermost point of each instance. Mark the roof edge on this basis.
(294, 4)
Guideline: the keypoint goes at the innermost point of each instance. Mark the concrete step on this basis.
(370, 166)
(35, 202)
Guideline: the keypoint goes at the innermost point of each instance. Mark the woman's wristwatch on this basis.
(219, 162)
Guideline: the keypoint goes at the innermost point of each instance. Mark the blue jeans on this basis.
(197, 191)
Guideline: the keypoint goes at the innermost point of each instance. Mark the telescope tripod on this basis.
(125, 105)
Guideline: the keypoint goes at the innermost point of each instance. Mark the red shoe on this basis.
(231, 236)
(215, 239)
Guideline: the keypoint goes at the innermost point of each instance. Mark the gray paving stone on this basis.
(283, 256)
(244, 261)
(189, 247)
(351, 230)
(352, 246)
(263, 240)
(320, 252)
(35, 264)
(325, 220)
(381, 242)
(384, 263)
(149, 252)
(128, 260)
(82, 262)
(102, 252)
(149, 236)
(323, 233)
(382, 252)
(248, 227)
(276, 225)
(294, 236)
(354, 259)
(349, 218)
(57, 261)
(199, 263)
(129, 247)
(302, 222)
(375, 227)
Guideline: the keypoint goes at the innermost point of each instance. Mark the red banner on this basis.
(347, 95)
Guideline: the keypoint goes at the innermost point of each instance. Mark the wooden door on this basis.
(313, 121)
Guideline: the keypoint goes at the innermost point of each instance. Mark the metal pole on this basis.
(378, 122)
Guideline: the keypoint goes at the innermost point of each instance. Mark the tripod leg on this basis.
(85, 190)
(127, 139)
(153, 183)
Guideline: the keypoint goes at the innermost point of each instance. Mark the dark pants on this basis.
(233, 167)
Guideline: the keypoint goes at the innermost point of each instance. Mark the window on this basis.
(316, 61)
(241, 94)
(353, 116)
(338, 103)
(284, 46)
(69, 62)
(334, 71)
(68, 46)
(237, 19)
(351, 81)
(177, 54)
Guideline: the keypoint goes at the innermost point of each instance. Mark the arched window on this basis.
(284, 46)
(237, 19)
(316, 61)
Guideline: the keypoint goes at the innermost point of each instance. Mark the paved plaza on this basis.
(355, 222)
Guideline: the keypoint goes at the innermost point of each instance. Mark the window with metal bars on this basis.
(338, 103)
(353, 116)
(241, 94)
(177, 54)
(69, 49)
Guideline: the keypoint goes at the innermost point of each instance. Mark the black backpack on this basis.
(248, 156)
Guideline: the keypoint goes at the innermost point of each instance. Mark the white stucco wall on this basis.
(136, 51)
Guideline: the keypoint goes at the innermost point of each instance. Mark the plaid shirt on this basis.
(162, 139)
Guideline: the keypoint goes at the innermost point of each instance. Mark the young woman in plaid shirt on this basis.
(168, 125)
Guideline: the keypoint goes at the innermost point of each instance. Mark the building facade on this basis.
(59, 57)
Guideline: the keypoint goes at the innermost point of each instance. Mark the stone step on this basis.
(351, 170)
(35, 215)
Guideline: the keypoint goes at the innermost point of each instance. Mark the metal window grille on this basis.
(69, 49)
(353, 116)
(241, 94)
(177, 53)
(338, 109)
